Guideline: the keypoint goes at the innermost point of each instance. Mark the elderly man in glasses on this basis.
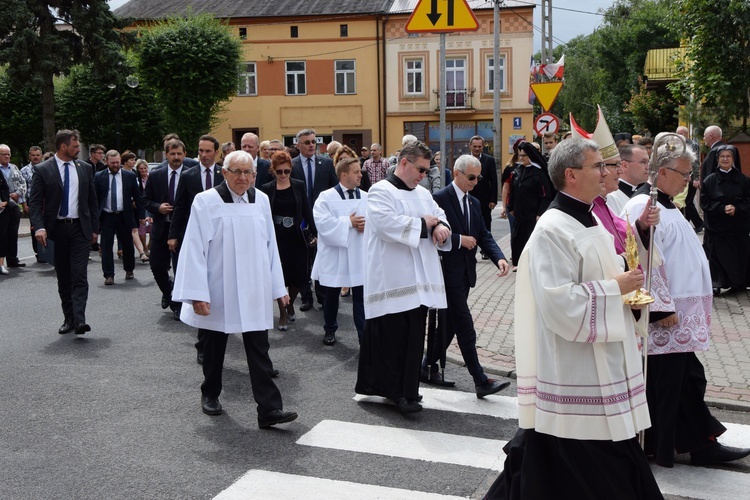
(404, 231)
(228, 293)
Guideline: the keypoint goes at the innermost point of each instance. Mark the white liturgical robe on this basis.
(682, 284)
(579, 369)
(229, 259)
(403, 270)
(340, 260)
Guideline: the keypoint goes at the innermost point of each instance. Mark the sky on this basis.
(570, 18)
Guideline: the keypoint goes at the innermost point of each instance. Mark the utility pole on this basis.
(546, 31)
(497, 124)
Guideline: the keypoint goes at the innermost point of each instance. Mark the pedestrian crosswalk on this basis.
(482, 453)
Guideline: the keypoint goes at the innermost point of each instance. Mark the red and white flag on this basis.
(554, 70)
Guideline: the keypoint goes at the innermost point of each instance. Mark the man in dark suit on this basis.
(63, 208)
(159, 199)
(460, 273)
(96, 154)
(193, 181)
(486, 189)
(117, 190)
(712, 137)
(250, 144)
(318, 174)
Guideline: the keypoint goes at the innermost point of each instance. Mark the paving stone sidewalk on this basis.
(727, 362)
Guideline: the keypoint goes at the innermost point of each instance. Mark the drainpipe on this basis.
(381, 81)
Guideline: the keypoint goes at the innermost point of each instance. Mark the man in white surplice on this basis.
(230, 275)
(340, 260)
(581, 394)
(405, 228)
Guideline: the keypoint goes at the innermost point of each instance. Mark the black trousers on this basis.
(331, 297)
(487, 216)
(10, 219)
(460, 324)
(111, 225)
(71, 265)
(161, 259)
(265, 392)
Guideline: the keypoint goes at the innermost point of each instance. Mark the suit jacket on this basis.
(191, 183)
(460, 263)
(325, 174)
(300, 196)
(46, 196)
(130, 193)
(156, 193)
(262, 172)
(486, 189)
(710, 163)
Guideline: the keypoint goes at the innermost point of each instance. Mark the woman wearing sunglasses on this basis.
(291, 211)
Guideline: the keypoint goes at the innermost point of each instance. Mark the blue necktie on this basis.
(172, 181)
(113, 194)
(351, 193)
(66, 191)
(466, 211)
(309, 181)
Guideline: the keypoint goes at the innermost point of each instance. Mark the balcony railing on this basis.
(456, 99)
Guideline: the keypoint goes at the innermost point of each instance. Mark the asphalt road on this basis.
(116, 413)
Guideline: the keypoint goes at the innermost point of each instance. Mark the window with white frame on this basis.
(346, 77)
(295, 78)
(248, 83)
(490, 73)
(414, 76)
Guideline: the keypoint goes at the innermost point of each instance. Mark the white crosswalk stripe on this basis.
(683, 480)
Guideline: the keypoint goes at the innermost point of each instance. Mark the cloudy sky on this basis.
(570, 18)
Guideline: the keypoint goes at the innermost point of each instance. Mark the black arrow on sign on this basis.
(450, 12)
(434, 15)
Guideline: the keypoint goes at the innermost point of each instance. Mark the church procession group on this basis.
(230, 241)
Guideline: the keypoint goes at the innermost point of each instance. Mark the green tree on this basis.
(43, 39)
(21, 123)
(93, 104)
(604, 67)
(716, 69)
(192, 62)
(652, 110)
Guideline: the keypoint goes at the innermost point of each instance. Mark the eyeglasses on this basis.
(601, 166)
(422, 170)
(283, 171)
(239, 173)
(523, 156)
(307, 143)
(471, 177)
(616, 166)
(642, 162)
(685, 176)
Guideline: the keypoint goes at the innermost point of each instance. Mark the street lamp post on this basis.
(132, 82)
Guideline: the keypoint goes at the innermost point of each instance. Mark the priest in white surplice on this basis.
(581, 394)
(339, 215)
(230, 274)
(405, 228)
(680, 326)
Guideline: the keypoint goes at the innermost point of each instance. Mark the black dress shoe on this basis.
(717, 292)
(274, 373)
(16, 263)
(485, 256)
(82, 328)
(717, 453)
(275, 417)
(306, 306)
(176, 315)
(490, 387)
(165, 301)
(329, 339)
(40, 260)
(210, 406)
(406, 406)
(66, 327)
(435, 378)
(199, 358)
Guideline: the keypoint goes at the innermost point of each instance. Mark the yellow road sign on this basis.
(442, 16)
(546, 93)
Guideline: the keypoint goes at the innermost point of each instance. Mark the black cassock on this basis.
(728, 242)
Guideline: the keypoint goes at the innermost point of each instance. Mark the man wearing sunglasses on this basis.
(460, 273)
(404, 231)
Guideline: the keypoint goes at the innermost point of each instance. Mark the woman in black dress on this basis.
(725, 200)
(291, 212)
